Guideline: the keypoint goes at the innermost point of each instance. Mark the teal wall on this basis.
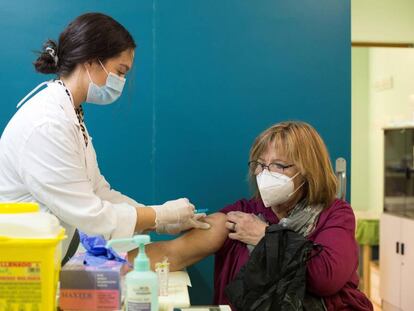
(209, 76)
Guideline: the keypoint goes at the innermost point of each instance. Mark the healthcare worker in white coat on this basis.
(47, 155)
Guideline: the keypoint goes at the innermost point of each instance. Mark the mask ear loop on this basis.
(103, 67)
(89, 75)
(291, 178)
(109, 72)
(289, 195)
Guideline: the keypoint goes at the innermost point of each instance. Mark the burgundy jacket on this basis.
(331, 275)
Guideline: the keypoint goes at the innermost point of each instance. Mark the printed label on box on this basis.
(89, 299)
(20, 285)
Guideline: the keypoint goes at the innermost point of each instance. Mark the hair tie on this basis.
(52, 53)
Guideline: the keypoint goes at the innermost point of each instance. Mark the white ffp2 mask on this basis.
(275, 188)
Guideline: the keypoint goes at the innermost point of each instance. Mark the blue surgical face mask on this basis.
(108, 93)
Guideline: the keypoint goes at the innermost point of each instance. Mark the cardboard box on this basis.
(92, 288)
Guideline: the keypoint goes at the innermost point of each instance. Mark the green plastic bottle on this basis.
(141, 283)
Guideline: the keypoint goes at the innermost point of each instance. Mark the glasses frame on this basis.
(263, 166)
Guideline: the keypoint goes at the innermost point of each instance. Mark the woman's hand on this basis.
(246, 228)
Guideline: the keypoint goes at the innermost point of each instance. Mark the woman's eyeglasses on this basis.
(276, 167)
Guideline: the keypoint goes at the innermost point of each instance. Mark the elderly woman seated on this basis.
(292, 175)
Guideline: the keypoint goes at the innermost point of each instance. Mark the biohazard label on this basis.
(20, 286)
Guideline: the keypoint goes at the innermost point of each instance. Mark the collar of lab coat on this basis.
(64, 100)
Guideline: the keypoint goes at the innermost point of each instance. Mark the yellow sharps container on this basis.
(30, 256)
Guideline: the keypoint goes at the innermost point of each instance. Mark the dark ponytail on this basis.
(89, 37)
(47, 62)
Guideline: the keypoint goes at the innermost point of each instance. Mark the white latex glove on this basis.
(194, 222)
(173, 212)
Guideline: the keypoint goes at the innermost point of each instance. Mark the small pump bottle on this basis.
(141, 283)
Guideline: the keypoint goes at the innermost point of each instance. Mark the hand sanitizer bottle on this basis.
(141, 283)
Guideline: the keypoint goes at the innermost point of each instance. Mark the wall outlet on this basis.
(384, 84)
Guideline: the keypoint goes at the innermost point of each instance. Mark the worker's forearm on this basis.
(145, 219)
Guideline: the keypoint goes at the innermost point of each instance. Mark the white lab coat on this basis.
(43, 158)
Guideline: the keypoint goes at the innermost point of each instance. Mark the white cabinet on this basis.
(397, 262)
(407, 265)
(390, 260)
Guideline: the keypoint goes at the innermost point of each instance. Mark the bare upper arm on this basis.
(192, 246)
(208, 241)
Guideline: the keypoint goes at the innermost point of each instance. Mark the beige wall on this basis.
(388, 78)
(360, 129)
(388, 107)
(382, 96)
(382, 20)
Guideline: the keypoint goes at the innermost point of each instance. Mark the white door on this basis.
(407, 265)
(390, 260)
